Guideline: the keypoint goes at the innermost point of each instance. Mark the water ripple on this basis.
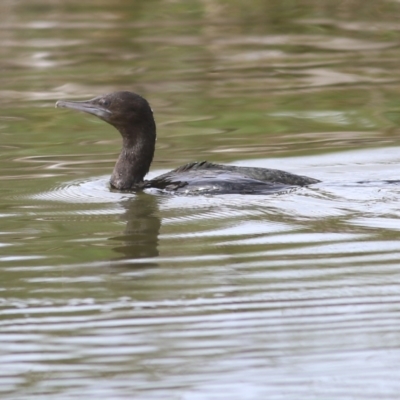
(83, 191)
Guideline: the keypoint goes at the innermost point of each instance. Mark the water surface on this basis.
(286, 296)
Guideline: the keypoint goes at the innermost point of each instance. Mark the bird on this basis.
(133, 117)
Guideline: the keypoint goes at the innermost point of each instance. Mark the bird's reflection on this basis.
(140, 238)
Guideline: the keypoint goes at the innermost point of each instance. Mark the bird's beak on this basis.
(88, 106)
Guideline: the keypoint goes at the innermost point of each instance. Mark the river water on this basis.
(294, 295)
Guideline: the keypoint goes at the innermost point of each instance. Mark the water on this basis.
(286, 296)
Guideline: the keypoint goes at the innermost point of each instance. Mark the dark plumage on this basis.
(132, 116)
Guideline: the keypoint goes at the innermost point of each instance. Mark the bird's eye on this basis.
(104, 102)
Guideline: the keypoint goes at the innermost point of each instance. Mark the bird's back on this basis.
(205, 177)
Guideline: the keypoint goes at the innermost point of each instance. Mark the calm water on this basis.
(295, 295)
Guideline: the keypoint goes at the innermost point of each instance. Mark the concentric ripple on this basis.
(94, 190)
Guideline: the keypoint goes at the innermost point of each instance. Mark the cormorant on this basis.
(132, 116)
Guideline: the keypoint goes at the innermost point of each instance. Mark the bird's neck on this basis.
(135, 158)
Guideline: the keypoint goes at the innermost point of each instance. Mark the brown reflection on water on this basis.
(140, 238)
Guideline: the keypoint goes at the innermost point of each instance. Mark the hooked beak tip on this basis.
(59, 104)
